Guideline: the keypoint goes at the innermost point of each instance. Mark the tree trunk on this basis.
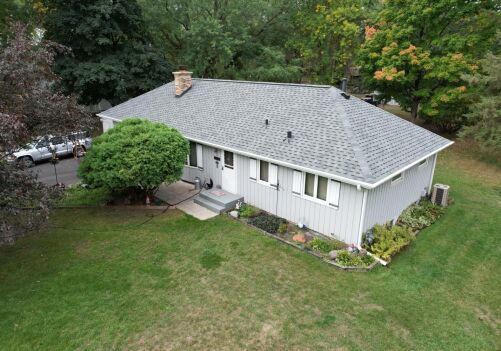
(414, 109)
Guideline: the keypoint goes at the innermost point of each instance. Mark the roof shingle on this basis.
(347, 138)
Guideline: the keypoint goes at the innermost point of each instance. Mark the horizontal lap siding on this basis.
(342, 223)
(387, 201)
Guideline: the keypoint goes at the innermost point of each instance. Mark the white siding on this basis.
(107, 124)
(387, 201)
(342, 223)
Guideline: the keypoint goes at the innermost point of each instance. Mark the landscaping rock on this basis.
(299, 238)
(234, 214)
(333, 254)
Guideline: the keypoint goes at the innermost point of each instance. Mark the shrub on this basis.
(420, 215)
(266, 222)
(325, 246)
(282, 228)
(348, 259)
(390, 240)
(135, 156)
(248, 211)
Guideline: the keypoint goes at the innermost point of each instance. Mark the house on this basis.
(309, 153)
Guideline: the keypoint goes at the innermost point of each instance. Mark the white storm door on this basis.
(229, 176)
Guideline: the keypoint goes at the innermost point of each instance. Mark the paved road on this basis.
(66, 172)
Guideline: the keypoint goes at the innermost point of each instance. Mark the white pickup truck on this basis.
(40, 149)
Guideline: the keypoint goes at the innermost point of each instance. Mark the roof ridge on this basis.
(352, 137)
(265, 83)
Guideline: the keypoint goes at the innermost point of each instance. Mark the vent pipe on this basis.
(344, 84)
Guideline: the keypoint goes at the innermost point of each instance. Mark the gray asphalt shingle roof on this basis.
(347, 138)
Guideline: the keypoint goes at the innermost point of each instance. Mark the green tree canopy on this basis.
(327, 38)
(417, 52)
(135, 155)
(236, 39)
(484, 119)
(112, 57)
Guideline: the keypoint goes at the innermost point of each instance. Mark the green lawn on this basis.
(99, 280)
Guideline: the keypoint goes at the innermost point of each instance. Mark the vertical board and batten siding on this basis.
(386, 202)
(209, 171)
(341, 223)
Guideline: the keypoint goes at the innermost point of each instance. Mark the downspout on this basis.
(362, 218)
(432, 173)
(361, 229)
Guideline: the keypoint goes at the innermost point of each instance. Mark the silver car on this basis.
(40, 149)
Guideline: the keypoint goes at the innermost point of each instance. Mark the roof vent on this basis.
(182, 80)
(288, 137)
(344, 84)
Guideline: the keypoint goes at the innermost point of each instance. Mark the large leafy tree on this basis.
(327, 38)
(135, 156)
(417, 52)
(29, 106)
(484, 119)
(236, 39)
(112, 56)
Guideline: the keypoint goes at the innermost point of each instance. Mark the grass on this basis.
(103, 279)
(79, 196)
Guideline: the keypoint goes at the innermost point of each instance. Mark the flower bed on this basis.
(385, 241)
(330, 251)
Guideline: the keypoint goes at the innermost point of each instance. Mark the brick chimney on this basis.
(182, 81)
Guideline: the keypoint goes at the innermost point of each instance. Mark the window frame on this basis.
(197, 161)
(397, 179)
(314, 198)
(258, 174)
(423, 163)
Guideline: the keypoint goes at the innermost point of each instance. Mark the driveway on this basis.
(66, 172)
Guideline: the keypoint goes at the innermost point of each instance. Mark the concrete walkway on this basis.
(180, 195)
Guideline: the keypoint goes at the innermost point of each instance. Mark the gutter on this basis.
(358, 184)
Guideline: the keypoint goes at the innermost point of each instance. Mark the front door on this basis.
(229, 177)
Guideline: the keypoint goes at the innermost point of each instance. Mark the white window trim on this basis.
(399, 180)
(198, 161)
(423, 163)
(256, 169)
(258, 174)
(301, 183)
(315, 188)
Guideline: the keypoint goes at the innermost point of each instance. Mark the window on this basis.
(192, 157)
(322, 188)
(423, 163)
(252, 169)
(268, 173)
(228, 159)
(263, 171)
(309, 184)
(318, 188)
(397, 178)
(195, 157)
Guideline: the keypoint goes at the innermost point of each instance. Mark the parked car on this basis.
(40, 149)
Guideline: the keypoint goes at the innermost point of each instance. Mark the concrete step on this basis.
(226, 200)
(207, 203)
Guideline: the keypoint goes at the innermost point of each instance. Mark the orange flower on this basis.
(378, 75)
(462, 88)
(369, 32)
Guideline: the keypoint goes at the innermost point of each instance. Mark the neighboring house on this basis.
(308, 153)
